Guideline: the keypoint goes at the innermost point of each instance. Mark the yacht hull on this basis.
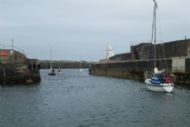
(165, 87)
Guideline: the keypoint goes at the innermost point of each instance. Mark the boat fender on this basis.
(168, 79)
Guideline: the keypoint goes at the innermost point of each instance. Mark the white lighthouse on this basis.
(109, 52)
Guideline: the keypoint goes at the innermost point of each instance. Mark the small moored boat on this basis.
(51, 71)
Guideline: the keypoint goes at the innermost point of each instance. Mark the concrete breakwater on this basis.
(45, 64)
(16, 68)
(180, 67)
(133, 65)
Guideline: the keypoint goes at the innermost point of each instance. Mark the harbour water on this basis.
(77, 99)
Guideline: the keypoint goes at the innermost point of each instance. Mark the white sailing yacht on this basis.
(51, 70)
(158, 81)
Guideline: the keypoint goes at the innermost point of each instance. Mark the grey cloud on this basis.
(82, 29)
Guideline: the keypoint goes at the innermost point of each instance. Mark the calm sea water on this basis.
(76, 99)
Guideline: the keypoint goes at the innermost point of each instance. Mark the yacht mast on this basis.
(153, 38)
(50, 56)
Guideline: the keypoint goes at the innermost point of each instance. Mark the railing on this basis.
(3, 46)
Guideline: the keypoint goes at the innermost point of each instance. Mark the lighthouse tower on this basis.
(109, 52)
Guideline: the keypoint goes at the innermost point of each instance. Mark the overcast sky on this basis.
(82, 29)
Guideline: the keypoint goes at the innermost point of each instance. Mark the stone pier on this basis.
(178, 66)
